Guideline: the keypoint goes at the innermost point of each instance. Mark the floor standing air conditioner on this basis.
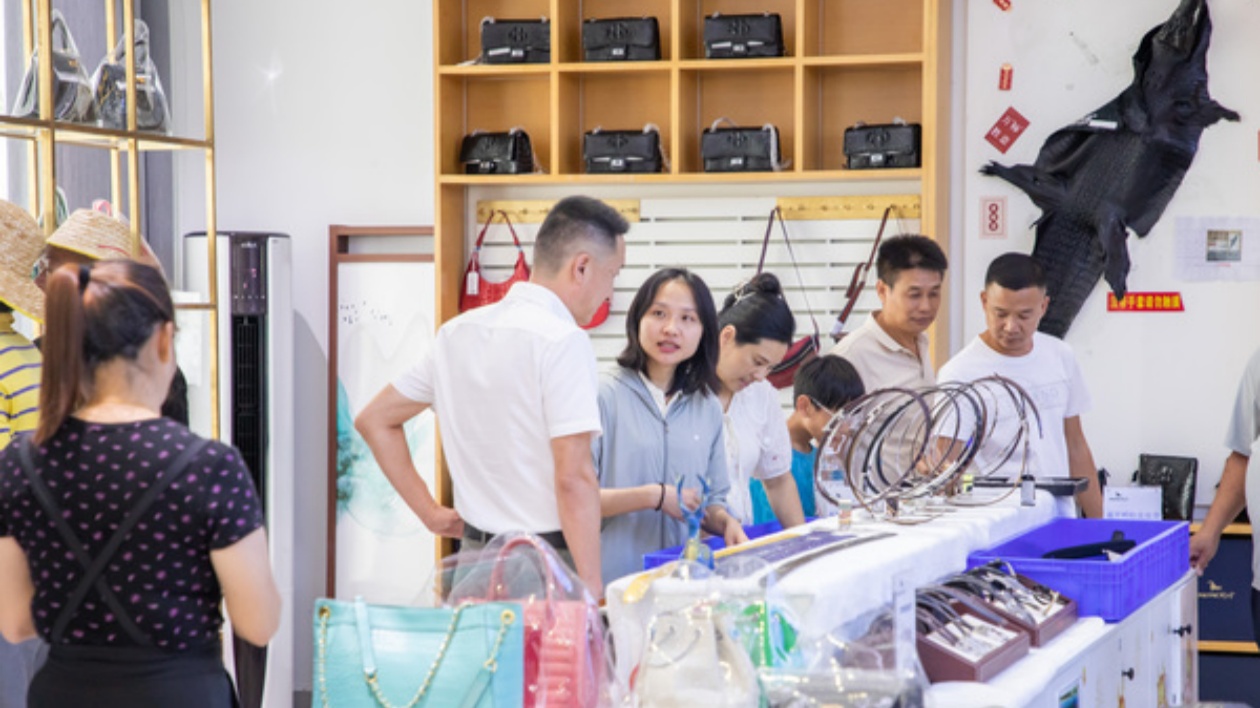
(255, 351)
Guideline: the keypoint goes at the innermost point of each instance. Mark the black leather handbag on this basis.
(740, 36)
(735, 149)
(515, 41)
(621, 39)
(869, 147)
(611, 151)
(72, 94)
(1176, 476)
(497, 153)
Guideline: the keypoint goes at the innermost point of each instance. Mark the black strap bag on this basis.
(736, 149)
(741, 36)
(515, 41)
(621, 39)
(612, 151)
(896, 144)
(497, 153)
(72, 94)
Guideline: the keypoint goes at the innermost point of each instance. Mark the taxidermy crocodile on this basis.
(1117, 169)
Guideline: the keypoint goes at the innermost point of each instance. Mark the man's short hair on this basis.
(907, 252)
(830, 381)
(572, 221)
(1015, 271)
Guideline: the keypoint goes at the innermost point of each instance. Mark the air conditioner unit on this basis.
(255, 355)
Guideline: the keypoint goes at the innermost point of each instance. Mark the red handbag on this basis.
(477, 290)
(600, 316)
(564, 639)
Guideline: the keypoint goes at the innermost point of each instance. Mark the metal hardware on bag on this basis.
(491, 663)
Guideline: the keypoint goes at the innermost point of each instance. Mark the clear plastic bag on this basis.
(110, 80)
(72, 94)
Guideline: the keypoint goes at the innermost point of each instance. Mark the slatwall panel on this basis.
(720, 239)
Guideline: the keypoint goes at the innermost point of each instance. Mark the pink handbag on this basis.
(564, 638)
(477, 290)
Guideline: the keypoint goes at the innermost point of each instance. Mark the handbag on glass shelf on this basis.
(72, 92)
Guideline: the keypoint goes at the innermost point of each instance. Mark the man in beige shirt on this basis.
(890, 349)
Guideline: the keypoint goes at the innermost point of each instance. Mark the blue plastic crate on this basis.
(1107, 589)
(665, 555)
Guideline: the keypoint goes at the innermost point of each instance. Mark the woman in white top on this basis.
(756, 328)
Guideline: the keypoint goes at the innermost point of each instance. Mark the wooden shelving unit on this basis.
(43, 134)
(846, 61)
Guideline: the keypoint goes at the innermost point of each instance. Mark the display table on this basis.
(1148, 659)
(854, 582)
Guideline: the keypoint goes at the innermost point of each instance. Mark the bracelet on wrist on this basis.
(660, 503)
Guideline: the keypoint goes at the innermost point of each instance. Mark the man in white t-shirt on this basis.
(1014, 300)
(1240, 484)
(513, 385)
(890, 349)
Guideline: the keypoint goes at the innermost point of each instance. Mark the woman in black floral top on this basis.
(121, 531)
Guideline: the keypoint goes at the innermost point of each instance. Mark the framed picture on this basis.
(382, 318)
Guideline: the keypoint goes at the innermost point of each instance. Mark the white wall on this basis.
(1162, 383)
(323, 115)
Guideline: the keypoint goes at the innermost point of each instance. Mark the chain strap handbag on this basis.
(731, 148)
(742, 36)
(806, 348)
(896, 144)
(515, 41)
(564, 638)
(623, 151)
(621, 39)
(692, 658)
(72, 92)
(477, 290)
(378, 656)
(509, 152)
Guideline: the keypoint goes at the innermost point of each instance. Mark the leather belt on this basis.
(555, 538)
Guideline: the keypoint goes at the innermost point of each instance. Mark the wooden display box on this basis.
(494, 104)
(1041, 634)
(836, 28)
(748, 97)
(459, 24)
(612, 100)
(574, 12)
(838, 97)
(691, 23)
(942, 664)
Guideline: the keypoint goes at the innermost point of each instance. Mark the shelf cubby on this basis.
(598, 99)
(838, 97)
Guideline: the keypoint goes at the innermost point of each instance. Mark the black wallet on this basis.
(621, 39)
(739, 36)
(515, 41)
(1176, 476)
(497, 153)
(606, 151)
(735, 149)
(896, 144)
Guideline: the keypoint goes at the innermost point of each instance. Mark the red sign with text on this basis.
(1007, 130)
(1145, 302)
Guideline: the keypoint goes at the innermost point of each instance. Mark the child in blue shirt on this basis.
(821, 387)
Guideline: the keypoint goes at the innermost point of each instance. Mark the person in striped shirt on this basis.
(19, 379)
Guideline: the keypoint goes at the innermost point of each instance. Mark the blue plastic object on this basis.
(715, 543)
(1103, 588)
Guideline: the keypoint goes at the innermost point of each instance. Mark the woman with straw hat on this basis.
(21, 243)
(88, 236)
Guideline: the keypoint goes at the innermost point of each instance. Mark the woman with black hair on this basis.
(122, 532)
(756, 330)
(662, 425)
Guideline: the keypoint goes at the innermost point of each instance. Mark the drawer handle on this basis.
(1128, 673)
(1183, 630)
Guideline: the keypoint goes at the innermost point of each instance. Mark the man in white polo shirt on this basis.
(890, 349)
(513, 385)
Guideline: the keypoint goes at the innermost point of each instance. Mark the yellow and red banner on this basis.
(1145, 302)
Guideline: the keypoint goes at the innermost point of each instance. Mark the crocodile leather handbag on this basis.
(736, 149)
(515, 41)
(497, 153)
(894, 144)
(621, 39)
(607, 151)
(741, 36)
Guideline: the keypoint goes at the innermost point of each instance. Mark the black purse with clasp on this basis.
(621, 39)
(613, 151)
(736, 149)
(515, 41)
(497, 153)
(741, 36)
(895, 144)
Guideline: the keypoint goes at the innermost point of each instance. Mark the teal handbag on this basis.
(377, 656)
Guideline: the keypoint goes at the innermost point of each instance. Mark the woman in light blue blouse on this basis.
(662, 424)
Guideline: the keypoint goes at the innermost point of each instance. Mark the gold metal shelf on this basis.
(92, 136)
